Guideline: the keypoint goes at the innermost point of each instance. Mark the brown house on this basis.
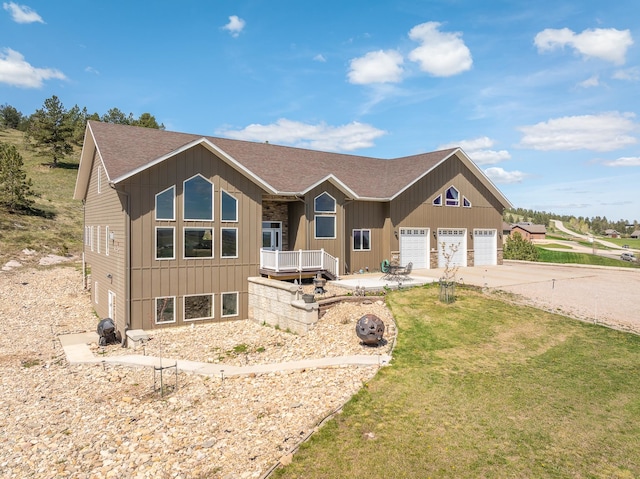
(175, 223)
(529, 231)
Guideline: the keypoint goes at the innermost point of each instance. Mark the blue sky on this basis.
(543, 96)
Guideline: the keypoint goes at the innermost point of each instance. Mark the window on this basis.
(98, 239)
(465, 202)
(325, 227)
(198, 242)
(106, 240)
(362, 240)
(165, 241)
(165, 204)
(165, 310)
(95, 292)
(229, 304)
(452, 197)
(437, 201)
(229, 242)
(324, 203)
(198, 307)
(198, 199)
(229, 208)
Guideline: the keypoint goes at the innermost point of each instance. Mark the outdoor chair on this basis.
(404, 273)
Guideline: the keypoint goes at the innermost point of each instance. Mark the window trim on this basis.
(361, 230)
(335, 204)
(465, 202)
(184, 243)
(106, 240)
(95, 292)
(213, 191)
(437, 201)
(454, 203)
(315, 227)
(222, 295)
(222, 193)
(156, 310)
(184, 307)
(173, 212)
(173, 229)
(222, 255)
(98, 239)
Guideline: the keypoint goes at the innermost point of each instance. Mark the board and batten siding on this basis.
(152, 278)
(373, 216)
(104, 208)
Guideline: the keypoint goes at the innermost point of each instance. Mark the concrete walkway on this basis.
(76, 348)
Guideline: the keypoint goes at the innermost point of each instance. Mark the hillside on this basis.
(57, 226)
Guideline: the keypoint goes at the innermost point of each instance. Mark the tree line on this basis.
(596, 224)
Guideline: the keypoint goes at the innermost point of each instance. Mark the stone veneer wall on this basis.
(277, 303)
(277, 211)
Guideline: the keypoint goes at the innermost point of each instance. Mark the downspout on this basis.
(84, 244)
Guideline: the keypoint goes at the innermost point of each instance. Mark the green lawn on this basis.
(565, 257)
(482, 388)
(556, 245)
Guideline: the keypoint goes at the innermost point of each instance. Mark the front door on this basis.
(272, 235)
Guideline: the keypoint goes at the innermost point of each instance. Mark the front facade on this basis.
(176, 223)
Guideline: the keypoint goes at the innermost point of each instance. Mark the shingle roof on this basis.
(531, 228)
(124, 150)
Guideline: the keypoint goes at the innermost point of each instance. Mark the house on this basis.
(175, 223)
(529, 231)
(609, 233)
(635, 234)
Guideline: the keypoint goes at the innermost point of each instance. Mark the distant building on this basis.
(635, 234)
(529, 231)
(611, 233)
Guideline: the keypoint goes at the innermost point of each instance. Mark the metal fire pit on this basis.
(106, 332)
(370, 329)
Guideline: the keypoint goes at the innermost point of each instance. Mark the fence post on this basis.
(300, 260)
(337, 268)
(321, 258)
(277, 262)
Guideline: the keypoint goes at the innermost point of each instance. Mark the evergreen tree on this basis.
(15, 188)
(9, 117)
(51, 130)
(519, 248)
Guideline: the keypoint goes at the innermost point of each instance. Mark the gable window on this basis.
(165, 241)
(324, 203)
(165, 204)
(198, 307)
(362, 240)
(198, 199)
(325, 227)
(229, 242)
(437, 201)
(465, 202)
(198, 242)
(452, 197)
(229, 304)
(165, 310)
(229, 208)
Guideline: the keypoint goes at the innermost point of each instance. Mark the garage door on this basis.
(455, 246)
(485, 247)
(414, 247)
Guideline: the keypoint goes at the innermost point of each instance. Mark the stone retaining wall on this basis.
(278, 303)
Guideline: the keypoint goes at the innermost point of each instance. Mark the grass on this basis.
(566, 257)
(631, 242)
(482, 388)
(57, 226)
(556, 245)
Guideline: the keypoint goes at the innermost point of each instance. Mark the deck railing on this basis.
(299, 261)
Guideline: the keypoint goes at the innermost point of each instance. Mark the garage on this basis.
(414, 247)
(455, 246)
(485, 247)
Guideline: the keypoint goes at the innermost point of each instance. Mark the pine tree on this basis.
(51, 130)
(15, 188)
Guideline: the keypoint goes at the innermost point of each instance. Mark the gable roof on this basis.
(127, 150)
(531, 228)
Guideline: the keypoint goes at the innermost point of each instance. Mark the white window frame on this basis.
(446, 200)
(213, 195)
(184, 307)
(155, 254)
(95, 292)
(222, 295)
(315, 227)
(106, 241)
(222, 193)
(98, 239)
(361, 230)
(335, 203)
(91, 237)
(184, 244)
(466, 200)
(437, 201)
(155, 212)
(155, 303)
(222, 229)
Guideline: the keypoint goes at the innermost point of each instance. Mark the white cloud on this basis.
(91, 70)
(479, 150)
(630, 74)
(624, 161)
(376, 67)
(604, 132)
(607, 44)
(235, 25)
(323, 137)
(14, 70)
(590, 82)
(440, 54)
(22, 13)
(320, 58)
(500, 176)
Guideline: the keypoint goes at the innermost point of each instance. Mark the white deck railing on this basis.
(299, 261)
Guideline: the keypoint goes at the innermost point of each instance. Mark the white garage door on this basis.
(455, 246)
(485, 247)
(414, 247)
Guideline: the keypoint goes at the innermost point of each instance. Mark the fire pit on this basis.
(370, 329)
